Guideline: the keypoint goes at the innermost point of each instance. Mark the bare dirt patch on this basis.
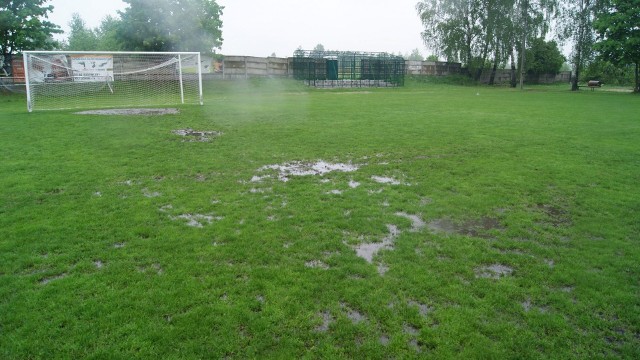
(133, 111)
(557, 216)
(475, 228)
(191, 135)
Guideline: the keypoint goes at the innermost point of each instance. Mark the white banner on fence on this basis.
(92, 68)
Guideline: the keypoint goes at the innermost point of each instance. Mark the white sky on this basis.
(261, 27)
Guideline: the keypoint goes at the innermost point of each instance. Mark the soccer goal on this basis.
(79, 79)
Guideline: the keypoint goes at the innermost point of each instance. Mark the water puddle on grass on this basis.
(417, 223)
(299, 168)
(49, 279)
(316, 264)
(494, 271)
(368, 250)
(423, 309)
(197, 220)
(134, 111)
(475, 228)
(150, 194)
(327, 320)
(98, 264)
(196, 135)
(385, 180)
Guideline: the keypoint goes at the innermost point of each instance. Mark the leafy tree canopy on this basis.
(171, 25)
(543, 57)
(618, 27)
(23, 26)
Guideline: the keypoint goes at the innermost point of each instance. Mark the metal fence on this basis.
(348, 69)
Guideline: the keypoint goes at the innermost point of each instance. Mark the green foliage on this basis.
(432, 57)
(543, 57)
(171, 25)
(608, 73)
(415, 55)
(80, 37)
(618, 26)
(23, 26)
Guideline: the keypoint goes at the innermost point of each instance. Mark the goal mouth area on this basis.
(132, 111)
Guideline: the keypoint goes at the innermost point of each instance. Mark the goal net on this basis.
(75, 79)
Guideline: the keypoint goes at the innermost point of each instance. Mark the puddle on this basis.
(97, 194)
(369, 250)
(356, 317)
(164, 111)
(422, 308)
(98, 264)
(118, 245)
(197, 220)
(298, 168)
(327, 320)
(410, 330)
(196, 136)
(150, 194)
(335, 192)
(416, 222)
(353, 184)
(528, 306)
(382, 269)
(316, 264)
(154, 268)
(49, 279)
(383, 340)
(495, 271)
(385, 180)
(474, 228)
(550, 263)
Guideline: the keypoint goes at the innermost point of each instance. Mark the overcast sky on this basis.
(263, 27)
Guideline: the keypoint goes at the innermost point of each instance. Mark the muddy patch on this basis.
(191, 135)
(134, 111)
(298, 168)
(556, 216)
(368, 250)
(494, 271)
(475, 228)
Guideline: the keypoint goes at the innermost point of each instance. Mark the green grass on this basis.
(96, 262)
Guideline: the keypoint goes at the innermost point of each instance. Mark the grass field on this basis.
(439, 221)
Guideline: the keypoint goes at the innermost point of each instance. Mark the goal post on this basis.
(57, 80)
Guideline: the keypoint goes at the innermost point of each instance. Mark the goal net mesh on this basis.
(103, 80)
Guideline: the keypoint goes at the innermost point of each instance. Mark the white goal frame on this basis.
(172, 68)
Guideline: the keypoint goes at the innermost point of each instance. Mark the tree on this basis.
(543, 57)
(576, 23)
(23, 27)
(415, 55)
(80, 37)
(618, 27)
(107, 34)
(481, 33)
(171, 25)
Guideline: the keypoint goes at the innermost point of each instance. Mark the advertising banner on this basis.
(92, 68)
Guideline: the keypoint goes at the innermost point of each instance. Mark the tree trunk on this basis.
(514, 79)
(637, 88)
(496, 59)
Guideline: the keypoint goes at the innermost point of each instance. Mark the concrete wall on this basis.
(503, 76)
(242, 67)
(432, 68)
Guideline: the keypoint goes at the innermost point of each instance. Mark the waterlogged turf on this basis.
(279, 221)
